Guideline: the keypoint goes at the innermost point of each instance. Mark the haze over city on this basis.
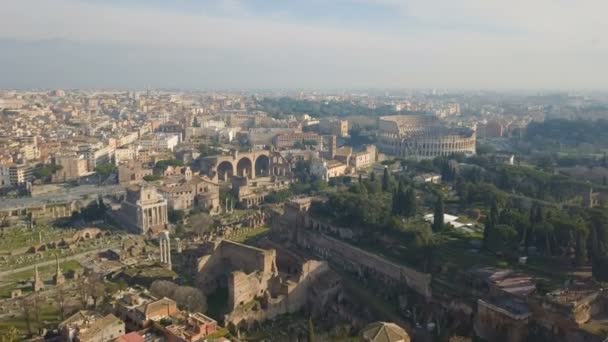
(312, 170)
(304, 44)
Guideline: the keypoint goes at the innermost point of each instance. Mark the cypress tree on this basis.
(398, 200)
(580, 249)
(385, 179)
(491, 222)
(410, 203)
(438, 215)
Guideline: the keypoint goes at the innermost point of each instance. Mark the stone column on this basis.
(143, 218)
(165, 251)
(162, 253)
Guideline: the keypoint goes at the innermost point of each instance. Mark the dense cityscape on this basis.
(188, 216)
(303, 171)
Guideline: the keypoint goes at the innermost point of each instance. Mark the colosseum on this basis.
(422, 136)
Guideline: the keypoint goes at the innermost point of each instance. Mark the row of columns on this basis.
(153, 216)
(277, 171)
(432, 149)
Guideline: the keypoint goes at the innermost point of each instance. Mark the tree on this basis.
(404, 201)
(162, 165)
(410, 206)
(581, 245)
(26, 306)
(186, 297)
(599, 268)
(206, 150)
(45, 172)
(502, 238)
(83, 294)
(426, 243)
(201, 223)
(491, 222)
(190, 298)
(151, 178)
(385, 179)
(175, 216)
(105, 170)
(372, 177)
(95, 288)
(545, 231)
(438, 223)
(60, 299)
(398, 200)
(311, 331)
(597, 220)
(163, 288)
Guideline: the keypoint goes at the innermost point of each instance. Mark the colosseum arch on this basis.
(262, 166)
(244, 168)
(225, 170)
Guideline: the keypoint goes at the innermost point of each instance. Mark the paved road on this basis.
(62, 196)
(78, 256)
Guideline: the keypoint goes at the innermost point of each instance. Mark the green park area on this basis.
(14, 280)
(249, 236)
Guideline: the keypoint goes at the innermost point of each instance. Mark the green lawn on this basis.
(251, 235)
(15, 238)
(49, 318)
(9, 283)
(46, 272)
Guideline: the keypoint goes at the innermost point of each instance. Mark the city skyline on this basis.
(317, 44)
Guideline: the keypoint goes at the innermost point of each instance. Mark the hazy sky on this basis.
(304, 43)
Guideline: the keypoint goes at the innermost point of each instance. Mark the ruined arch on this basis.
(244, 168)
(262, 166)
(225, 170)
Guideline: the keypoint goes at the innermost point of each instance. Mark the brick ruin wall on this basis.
(360, 261)
(285, 297)
(226, 257)
(494, 324)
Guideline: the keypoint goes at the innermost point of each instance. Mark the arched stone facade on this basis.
(422, 136)
(258, 163)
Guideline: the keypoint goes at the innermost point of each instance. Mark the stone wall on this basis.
(363, 262)
(243, 269)
(493, 323)
(243, 288)
(247, 258)
(288, 296)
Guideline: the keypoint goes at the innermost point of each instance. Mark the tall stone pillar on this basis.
(155, 215)
(161, 245)
(165, 250)
(38, 283)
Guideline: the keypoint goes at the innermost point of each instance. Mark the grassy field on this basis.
(9, 283)
(251, 235)
(49, 317)
(20, 237)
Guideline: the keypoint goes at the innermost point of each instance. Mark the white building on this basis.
(5, 178)
(96, 154)
(160, 141)
(327, 169)
(125, 154)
